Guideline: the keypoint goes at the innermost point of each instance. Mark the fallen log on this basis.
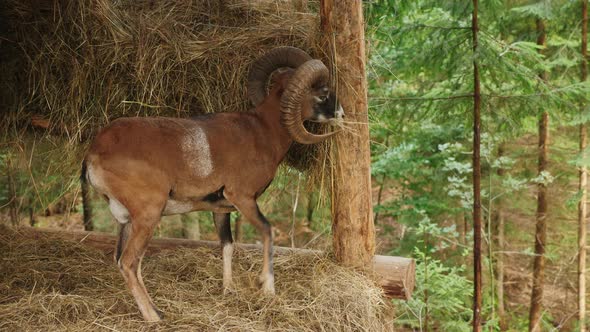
(396, 275)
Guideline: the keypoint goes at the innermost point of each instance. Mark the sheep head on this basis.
(306, 95)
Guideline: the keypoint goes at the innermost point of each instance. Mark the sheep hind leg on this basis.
(124, 230)
(130, 264)
(222, 224)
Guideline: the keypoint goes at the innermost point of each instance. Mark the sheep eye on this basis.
(321, 99)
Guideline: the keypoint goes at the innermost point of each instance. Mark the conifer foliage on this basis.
(442, 87)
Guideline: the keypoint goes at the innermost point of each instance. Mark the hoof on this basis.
(268, 289)
(154, 319)
(155, 316)
(267, 284)
(229, 289)
(160, 313)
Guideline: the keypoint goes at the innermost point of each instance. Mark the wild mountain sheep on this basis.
(222, 162)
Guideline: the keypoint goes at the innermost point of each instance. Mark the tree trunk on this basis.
(238, 229)
(381, 186)
(12, 193)
(426, 311)
(86, 207)
(311, 202)
(352, 215)
(498, 258)
(541, 227)
(583, 184)
(190, 226)
(477, 299)
(460, 225)
(379, 195)
(294, 212)
(32, 220)
(465, 227)
(582, 236)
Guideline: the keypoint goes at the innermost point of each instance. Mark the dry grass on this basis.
(80, 64)
(54, 285)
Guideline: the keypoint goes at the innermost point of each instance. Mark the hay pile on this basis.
(75, 65)
(54, 285)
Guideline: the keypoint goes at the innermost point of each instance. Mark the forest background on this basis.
(420, 72)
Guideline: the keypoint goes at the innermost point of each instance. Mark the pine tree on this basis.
(583, 182)
(541, 225)
(421, 98)
(477, 225)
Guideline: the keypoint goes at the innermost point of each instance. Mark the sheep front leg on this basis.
(249, 209)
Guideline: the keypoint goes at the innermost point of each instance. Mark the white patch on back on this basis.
(197, 153)
(119, 211)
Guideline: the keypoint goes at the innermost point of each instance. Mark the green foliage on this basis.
(37, 182)
(442, 293)
(421, 86)
(541, 9)
(421, 168)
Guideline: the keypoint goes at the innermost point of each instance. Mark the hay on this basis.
(55, 285)
(80, 64)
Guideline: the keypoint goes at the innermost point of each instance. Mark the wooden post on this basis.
(396, 275)
(352, 211)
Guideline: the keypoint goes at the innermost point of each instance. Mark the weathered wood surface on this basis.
(396, 275)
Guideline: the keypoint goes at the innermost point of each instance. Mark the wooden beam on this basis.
(396, 275)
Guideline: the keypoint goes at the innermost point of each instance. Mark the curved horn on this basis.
(262, 68)
(308, 74)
